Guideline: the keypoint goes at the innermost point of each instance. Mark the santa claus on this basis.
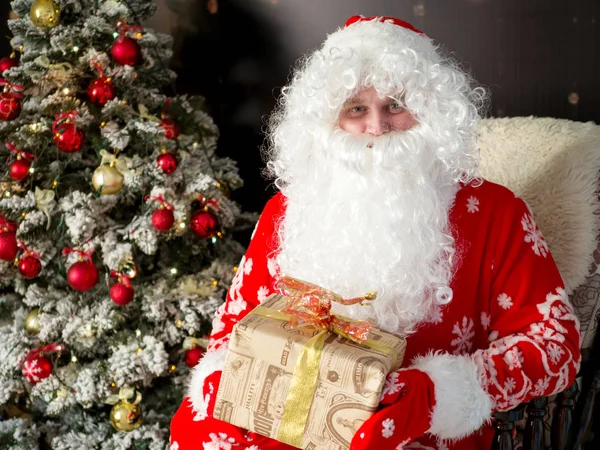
(373, 150)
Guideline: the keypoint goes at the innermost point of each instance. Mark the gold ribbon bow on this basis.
(43, 199)
(44, 62)
(191, 342)
(145, 114)
(125, 394)
(310, 305)
(122, 164)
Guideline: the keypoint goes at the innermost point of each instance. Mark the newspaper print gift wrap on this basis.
(259, 386)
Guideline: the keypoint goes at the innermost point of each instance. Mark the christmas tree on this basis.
(115, 229)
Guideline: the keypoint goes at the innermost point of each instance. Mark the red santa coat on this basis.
(509, 334)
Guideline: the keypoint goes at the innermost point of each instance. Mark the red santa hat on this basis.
(374, 35)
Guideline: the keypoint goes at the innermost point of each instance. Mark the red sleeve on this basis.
(254, 278)
(534, 339)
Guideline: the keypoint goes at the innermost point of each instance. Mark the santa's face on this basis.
(368, 113)
(369, 212)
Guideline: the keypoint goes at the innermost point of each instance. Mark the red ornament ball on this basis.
(36, 368)
(193, 355)
(121, 294)
(102, 90)
(82, 276)
(167, 162)
(171, 128)
(163, 219)
(29, 267)
(19, 169)
(8, 245)
(204, 224)
(69, 138)
(10, 106)
(8, 63)
(126, 51)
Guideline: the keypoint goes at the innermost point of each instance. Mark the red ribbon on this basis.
(25, 155)
(167, 104)
(55, 347)
(205, 203)
(310, 305)
(123, 28)
(82, 254)
(27, 251)
(15, 89)
(60, 118)
(164, 203)
(121, 277)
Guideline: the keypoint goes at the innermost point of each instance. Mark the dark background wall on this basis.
(537, 57)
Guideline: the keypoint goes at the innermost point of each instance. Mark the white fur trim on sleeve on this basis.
(210, 363)
(462, 405)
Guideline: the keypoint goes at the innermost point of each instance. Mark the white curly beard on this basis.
(371, 214)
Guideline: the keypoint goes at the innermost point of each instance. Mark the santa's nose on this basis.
(377, 124)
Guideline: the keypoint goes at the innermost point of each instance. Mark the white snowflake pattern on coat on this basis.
(218, 441)
(388, 428)
(486, 320)
(510, 384)
(174, 446)
(272, 267)
(237, 303)
(505, 301)
(464, 336)
(533, 235)
(391, 385)
(472, 204)
(262, 293)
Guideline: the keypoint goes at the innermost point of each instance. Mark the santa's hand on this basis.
(407, 402)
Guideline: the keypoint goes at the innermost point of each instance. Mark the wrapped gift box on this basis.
(266, 389)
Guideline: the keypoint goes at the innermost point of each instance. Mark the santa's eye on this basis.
(395, 107)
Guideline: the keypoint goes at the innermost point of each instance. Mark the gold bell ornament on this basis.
(125, 414)
(45, 13)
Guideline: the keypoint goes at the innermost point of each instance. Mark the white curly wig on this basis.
(399, 62)
(341, 228)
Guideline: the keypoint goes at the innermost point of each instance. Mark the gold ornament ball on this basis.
(32, 322)
(45, 13)
(107, 180)
(126, 416)
(128, 269)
